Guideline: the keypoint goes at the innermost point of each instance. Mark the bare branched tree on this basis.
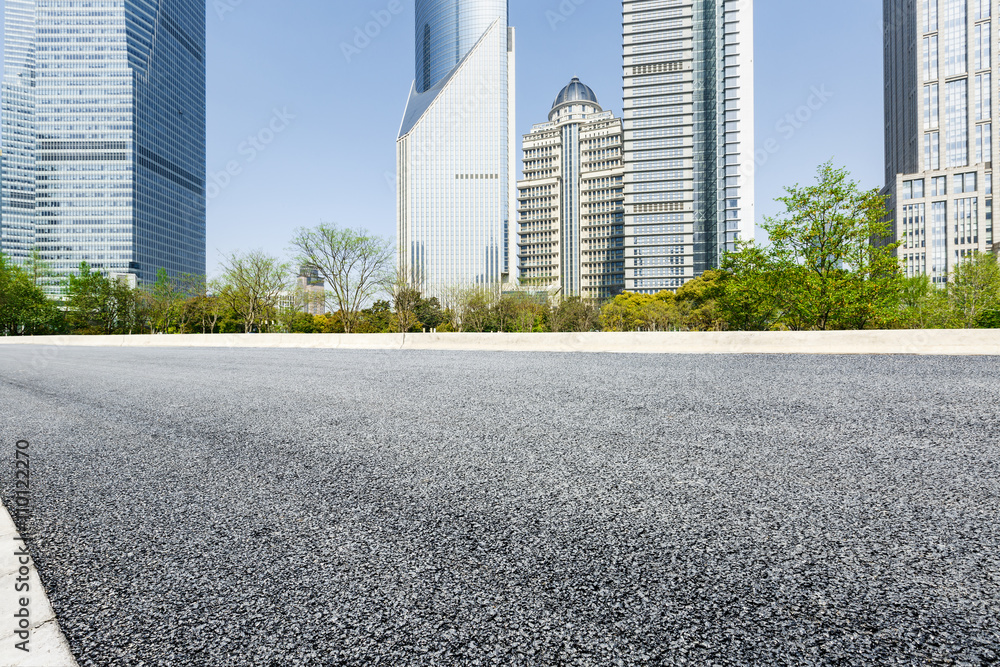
(354, 263)
(405, 296)
(252, 286)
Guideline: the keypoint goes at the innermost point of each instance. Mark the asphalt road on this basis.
(298, 507)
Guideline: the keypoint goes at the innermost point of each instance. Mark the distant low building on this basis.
(312, 290)
(308, 296)
(571, 210)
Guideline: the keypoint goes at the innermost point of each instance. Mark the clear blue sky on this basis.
(332, 161)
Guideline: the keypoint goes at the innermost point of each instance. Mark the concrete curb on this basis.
(978, 342)
(47, 645)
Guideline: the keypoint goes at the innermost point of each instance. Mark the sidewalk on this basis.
(46, 644)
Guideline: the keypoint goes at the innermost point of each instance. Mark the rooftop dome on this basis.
(575, 92)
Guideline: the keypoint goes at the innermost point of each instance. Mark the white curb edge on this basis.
(47, 645)
(952, 342)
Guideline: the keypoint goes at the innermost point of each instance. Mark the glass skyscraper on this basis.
(571, 215)
(455, 153)
(104, 135)
(689, 137)
(939, 139)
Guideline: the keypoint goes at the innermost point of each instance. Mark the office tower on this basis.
(689, 143)
(571, 200)
(939, 139)
(455, 151)
(104, 135)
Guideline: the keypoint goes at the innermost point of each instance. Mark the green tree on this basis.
(429, 313)
(330, 323)
(522, 312)
(696, 301)
(354, 263)
(751, 296)
(24, 309)
(37, 268)
(922, 305)
(641, 312)
(405, 298)
(375, 320)
(662, 313)
(624, 312)
(475, 308)
(990, 319)
(165, 302)
(975, 289)
(829, 248)
(98, 305)
(575, 315)
(304, 323)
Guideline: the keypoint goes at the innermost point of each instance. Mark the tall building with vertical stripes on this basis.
(455, 149)
(104, 135)
(939, 141)
(689, 137)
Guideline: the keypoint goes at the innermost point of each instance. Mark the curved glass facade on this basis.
(455, 150)
(446, 30)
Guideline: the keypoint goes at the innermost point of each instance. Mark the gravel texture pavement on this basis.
(310, 507)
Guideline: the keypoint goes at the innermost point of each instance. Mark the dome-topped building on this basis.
(571, 218)
(576, 92)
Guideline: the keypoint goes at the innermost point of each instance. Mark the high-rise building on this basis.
(939, 139)
(455, 151)
(689, 137)
(104, 135)
(571, 200)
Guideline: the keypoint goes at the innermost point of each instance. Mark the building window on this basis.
(930, 58)
(982, 46)
(957, 123)
(964, 183)
(931, 106)
(930, 8)
(932, 150)
(956, 37)
(984, 145)
(939, 186)
(984, 105)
